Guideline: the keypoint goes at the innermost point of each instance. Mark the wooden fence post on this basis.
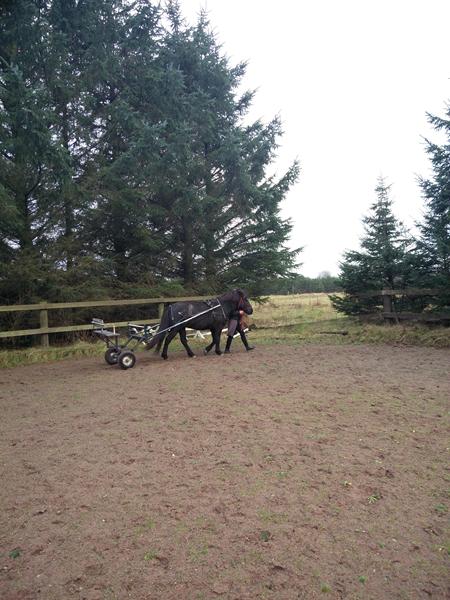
(43, 324)
(387, 304)
(161, 306)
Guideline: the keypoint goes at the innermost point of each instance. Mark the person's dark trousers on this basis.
(244, 341)
(229, 340)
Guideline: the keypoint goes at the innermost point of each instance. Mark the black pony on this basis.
(214, 320)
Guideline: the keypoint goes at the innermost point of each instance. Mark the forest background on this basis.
(126, 167)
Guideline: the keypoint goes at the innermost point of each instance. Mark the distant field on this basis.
(294, 309)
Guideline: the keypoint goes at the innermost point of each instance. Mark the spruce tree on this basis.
(383, 261)
(433, 247)
(30, 157)
(126, 220)
(225, 210)
(125, 161)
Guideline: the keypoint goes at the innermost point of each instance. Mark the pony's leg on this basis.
(184, 341)
(217, 333)
(169, 338)
(209, 346)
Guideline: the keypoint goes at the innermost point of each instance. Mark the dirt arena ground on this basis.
(297, 472)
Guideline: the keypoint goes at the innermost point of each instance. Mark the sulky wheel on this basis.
(127, 359)
(112, 356)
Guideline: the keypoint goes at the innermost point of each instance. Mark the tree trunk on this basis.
(67, 192)
(210, 260)
(120, 261)
(26, 234)
(188, 254)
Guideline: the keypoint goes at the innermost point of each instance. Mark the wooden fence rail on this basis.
(391, 315)
(43, 307)
(44, 330)
(412, 292)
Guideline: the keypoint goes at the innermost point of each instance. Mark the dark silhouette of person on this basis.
(235, 325)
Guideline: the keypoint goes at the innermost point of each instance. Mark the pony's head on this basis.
(238, 298)
(242, 301)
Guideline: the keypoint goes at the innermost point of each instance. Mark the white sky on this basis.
(352, 81)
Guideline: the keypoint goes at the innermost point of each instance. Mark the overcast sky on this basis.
(352, 81)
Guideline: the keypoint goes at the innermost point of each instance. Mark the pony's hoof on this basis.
(219, 352)
(164, 357)
(191, 355)
(205, 351)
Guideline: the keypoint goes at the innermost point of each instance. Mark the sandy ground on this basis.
(297, 472)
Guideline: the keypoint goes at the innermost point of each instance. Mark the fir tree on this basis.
(225, 211)
(433, 247)
(125, 161)
(383, 262)
(29, 158)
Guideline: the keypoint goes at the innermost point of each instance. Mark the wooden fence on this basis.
(391, 315)
(44, 307)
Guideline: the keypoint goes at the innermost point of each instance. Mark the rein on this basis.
(223, 312)
(240, 307)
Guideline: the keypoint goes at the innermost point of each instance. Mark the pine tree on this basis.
(29, 158)
(225, 211)
(125, 161)
(383, 262)
(433, 248)
(126, 221)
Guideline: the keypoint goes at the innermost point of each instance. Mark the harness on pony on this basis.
(186, 317)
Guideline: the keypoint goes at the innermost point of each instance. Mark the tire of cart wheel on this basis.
(112, 356)
(127, 360)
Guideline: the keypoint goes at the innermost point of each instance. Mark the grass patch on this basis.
(311, 318)
(147, 526)
(268, 516)
(374, 498)
(355, 333)
(28, 356)
(151, 555)
(264, 535)
(197, 552)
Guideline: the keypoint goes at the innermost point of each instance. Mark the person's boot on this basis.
(245, 342)
(227, 347)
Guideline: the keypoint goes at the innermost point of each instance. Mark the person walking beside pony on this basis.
(236, 324)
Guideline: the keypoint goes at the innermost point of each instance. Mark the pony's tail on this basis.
(158, 339)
